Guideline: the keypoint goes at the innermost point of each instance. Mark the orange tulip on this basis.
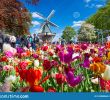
(98, 68)
(28, 53)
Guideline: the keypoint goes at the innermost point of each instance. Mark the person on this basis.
(63, 41)
(23, 41)
(18, 41)
(29, 39)
(35, 41)
(13, 41)
(1, 41)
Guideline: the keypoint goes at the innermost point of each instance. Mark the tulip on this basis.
(8, 68)
(36, 63)
(3, 59)
(60, 78)
(105, 85)
(86, 63)
(45, 48)
(24, 89)
(35, 56)
(23, 64)
(51, 90)
(73, 80)
(65, 57)
(98, 68)
(106, 75)
(95, 80)
(83, 46)
(7, 47)
(47, 65)
(22, 73)
(11, 79)
(6, 87)
(19, 50)
(36, 88)
(33, 76)
(8, 54)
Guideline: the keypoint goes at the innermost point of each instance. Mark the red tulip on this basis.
(25, 89)
(60, 78)
(50, 53)
(33, 76)
(47, 65)
(23, 65)
(36, 88)
(4, 59)
(83, 46)
(51, 90)
(45, 48)
(22, 74)
(105, 85)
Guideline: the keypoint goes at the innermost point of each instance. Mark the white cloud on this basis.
(35, 23)
(77, 24)
(98, 6)
(87, 1)
(93, 5)
(36, 15)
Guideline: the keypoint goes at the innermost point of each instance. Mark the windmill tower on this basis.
(45, 32)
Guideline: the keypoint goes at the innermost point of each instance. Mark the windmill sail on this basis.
(52, 24)
(51, 14)
(45, 31)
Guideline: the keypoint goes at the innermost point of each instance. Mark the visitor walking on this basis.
(35, 41)
(1, 41)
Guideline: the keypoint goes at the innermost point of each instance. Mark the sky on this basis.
(67, 13)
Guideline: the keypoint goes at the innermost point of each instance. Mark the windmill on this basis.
(45, 32)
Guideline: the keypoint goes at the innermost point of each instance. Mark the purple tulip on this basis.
(71, 79)
(19, 50)
(86, 62)
(35, 56)
(66, 57)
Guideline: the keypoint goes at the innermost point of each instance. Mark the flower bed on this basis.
(55, 68)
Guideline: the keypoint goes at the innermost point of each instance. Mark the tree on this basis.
(68, 33)
(14, 17)
(87, 33)
(101, 19)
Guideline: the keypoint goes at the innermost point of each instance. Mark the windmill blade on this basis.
(51, 14)
(52, 24)
(40, 15)
(42, 25)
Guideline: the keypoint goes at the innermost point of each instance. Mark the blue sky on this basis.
(67, 13)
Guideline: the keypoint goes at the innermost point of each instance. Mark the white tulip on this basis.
(36, 63)
(7, 47)
(11, 78)
(106, 75)
(95, 80)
